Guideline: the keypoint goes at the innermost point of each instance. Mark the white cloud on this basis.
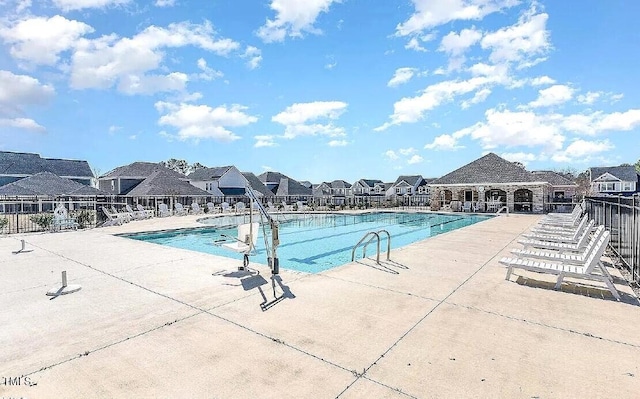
(589, 98)
(391, 155)
(415, 159)
(165, 3)
(412, 109)
(297, 117)
(479, 97)
(542, 81)
(401, 76)
(616, 97)
(71, 5)
(581, 150)
(108, 60)
(18, 92)
(264, 141)
(444, 142)
(415, 42)
(114, 128)
(207, 73)
(203, 122)
(293, 17)
(431, 13)
(22, 123)
(304, 112)
(407, 151)
(40, 40)
(554, 95)
(254, 55)
(522, 42)
(338, 143)
(504, 128)
(456, 44)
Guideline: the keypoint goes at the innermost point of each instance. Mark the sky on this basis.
(322, 89)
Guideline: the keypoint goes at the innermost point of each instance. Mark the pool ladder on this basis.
(372, 235)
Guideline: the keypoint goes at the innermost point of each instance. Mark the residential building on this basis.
(285, 188)
(406, 189)
(563, 190)
(614, 180)
(123, 179)
(19, 165)
(219, 181)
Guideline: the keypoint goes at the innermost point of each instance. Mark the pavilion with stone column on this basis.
(490, 183)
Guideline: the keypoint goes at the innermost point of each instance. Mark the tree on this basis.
(179, 165)
(637, 165)
(195, 166)
(584, 184)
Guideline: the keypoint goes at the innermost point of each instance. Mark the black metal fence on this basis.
(621, 216)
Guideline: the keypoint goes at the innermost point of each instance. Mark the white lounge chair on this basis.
(147, 212)
(163, 210)
(560, 245)
(211, 208)
(113, 219)
(240, 207)
(195, 208)
(125, 215)
(271, 208)
(562, 257)
(564, 219)
(592, 268)
(180, 210)
(225, 207)
(542, 228)
(569, 236)
(286, 208)
(137, 215)
(61, 219)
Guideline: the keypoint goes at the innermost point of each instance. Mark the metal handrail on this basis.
(353, 251)
(388, 243)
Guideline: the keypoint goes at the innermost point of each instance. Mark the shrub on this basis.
(3, 223)
(43, 220)
(84, 218)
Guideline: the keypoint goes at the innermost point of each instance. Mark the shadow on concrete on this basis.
(575, 288)
(276, 285)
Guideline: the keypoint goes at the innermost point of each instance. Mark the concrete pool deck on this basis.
(438, 320)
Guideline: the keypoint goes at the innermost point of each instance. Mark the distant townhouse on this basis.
(614, 180)
(285, 188)
(19, 165)
(150, 183)
(408, 189)
(367, 191)
(341, 193)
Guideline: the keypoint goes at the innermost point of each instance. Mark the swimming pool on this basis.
(315, 242)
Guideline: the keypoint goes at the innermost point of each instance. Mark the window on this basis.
(113, 185)
(558, 194)
(468, 195)
(397, 190)
(627, 186)
(607, 187)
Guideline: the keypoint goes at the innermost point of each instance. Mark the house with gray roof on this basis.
(409, 189)
(19, 165)
(219, 181)
(489, 183)
(124, 179)
(257, 186)
(614, 180)
(47, 184)
(368, 190)
(285, 188)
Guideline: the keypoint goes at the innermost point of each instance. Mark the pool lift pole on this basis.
(272, 257)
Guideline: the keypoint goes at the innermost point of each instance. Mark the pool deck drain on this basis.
(439, 320)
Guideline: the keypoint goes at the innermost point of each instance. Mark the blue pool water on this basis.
(315, 242)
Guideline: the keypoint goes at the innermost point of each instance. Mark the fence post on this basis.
(619, 225)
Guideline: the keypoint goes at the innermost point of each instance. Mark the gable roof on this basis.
(487, 169)
(553, 178)
(411, 179)
(339, 184)
(256, 184)
(205, 174)
(369, 182)
(141, 170)
(624, 173)
(164, 182)
(50, 184)
(290, 187)
(22, 163)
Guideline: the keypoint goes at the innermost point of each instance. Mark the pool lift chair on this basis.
(247, 238)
